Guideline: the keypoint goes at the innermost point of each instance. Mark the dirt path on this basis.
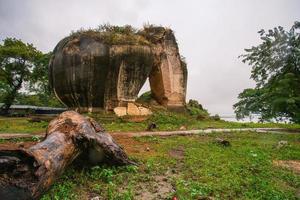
(162, 133)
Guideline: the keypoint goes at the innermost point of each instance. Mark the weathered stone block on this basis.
(132, 109)
(120, 111)
(144, 111)
(93, 70)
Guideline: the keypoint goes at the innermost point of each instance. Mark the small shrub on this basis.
(105, 174)
(201, 117)
(131, 169)
(194, 108)
(35, 138)
(195, 104)
(215, 117)
(145, 97)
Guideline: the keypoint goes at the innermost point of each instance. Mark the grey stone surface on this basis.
(88, 72)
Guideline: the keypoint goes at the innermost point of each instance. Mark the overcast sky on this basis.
(211, 34)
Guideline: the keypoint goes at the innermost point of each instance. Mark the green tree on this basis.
(276, 70)
(39, 85)
(39, 78)
(23, 66)
(16, 65)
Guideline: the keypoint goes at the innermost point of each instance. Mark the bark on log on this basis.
(28, 173)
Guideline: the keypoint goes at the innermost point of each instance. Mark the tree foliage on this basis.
(39, 77)
(40, 93)
(276, 70)
(23, 67)
(16, 65)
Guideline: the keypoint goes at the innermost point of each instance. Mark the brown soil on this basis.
(134, 147)
(130, 144)
(159, 188)
(293, 165)
(177, 153)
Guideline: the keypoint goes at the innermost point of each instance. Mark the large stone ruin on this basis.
(102, 69)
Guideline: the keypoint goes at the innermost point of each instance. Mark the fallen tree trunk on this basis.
(28, 173)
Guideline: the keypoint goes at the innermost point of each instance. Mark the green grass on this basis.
(167, 121)
(21, 125)
(164, 121)
(242, 171)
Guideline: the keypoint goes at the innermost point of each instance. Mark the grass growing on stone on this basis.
(165, 121)
(193, 167)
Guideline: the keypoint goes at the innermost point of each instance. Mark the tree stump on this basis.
(28, 173)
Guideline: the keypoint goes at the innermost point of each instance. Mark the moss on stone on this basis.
(122, 35)
(113, 35)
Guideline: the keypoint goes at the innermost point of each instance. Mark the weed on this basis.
(105, 174)
(62, 191)
(35, 138)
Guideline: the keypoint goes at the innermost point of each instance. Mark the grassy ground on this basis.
(163, 120)
(192, 167)
(21, 125)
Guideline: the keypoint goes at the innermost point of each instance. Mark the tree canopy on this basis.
(24, 67)
(276, 70)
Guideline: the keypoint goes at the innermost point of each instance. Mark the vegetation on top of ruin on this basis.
(114, 35)
(122, 35)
